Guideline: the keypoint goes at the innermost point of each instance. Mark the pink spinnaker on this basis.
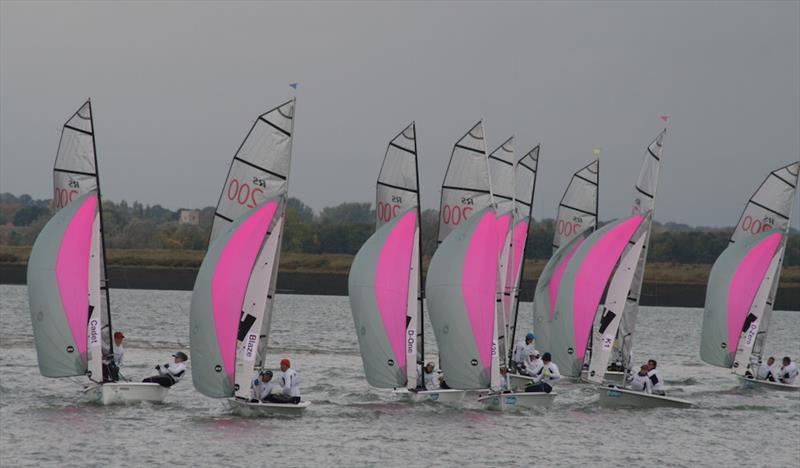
(479, 284)
(592, 277)
(558, 274)
(231, 277)
(72, 271)
(745, 283)
(392, 281)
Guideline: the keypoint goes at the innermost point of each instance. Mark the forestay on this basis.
(525, 173)
(576, 219)
(583, 284)
(501, 168)
(460, 289)
(467, 186)
(644, 201)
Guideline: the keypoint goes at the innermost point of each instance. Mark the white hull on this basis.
(752, 383)
(247, 409)
(517, 400)
(440, 396)
(613, 397)
(612, 377)
(122, 393)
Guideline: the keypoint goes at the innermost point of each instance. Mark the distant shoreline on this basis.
(665, 294)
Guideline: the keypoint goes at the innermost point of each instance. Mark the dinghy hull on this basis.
(126, 393)
(613, 397)
(508, 401)
(440, 396)
(753, 383)
(256, 410)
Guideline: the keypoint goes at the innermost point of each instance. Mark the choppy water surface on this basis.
(46, 422)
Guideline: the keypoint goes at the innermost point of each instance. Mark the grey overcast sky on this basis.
(176, 85)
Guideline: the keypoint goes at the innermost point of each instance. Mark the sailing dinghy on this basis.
(384, 282)
(67, 281)
(576, 219)
(234, 293)
(744, 279)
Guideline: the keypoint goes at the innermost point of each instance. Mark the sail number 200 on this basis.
(242, 193)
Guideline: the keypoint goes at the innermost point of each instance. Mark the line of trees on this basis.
(336, 229)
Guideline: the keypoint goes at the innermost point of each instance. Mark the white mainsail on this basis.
(644, 201)
(467, 186)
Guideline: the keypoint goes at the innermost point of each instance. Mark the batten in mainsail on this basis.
(644, 201)
(501, 167)
(461, 292)
(583, 284)
(525, 172)
(575, 220)
(467, 186)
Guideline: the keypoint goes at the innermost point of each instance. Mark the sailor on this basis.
(640, 381)
(170, 374)
(657, 387)
(505, 380)
(290, 381)
(430, 378)
(788, 372)
(113, 362)
(535, 365)
(265, 390)
(548, 374)
(520, 356)
(767, 371)
(119, 350)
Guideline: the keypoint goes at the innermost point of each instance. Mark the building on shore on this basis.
(190, 217)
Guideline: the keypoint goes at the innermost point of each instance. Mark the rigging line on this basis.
(85, 132)
(585, 179)
(457, 145)
(69, 171)
(578, 209)
(769, 209)
(397, 187)
(464, 189)
(395, 145)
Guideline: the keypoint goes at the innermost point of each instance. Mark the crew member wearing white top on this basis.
(113, 362)
(767, 371)
(429, 377)
(170, 374)
(262, 387)
(640, 381)
(535, 365)
(547, 376)
(520, 356)
(788, 372)
(655, 378)
(290, 381)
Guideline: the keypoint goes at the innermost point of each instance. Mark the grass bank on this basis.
(668, 273)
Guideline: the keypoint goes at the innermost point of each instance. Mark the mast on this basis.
(103, 287)
(421, 291)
